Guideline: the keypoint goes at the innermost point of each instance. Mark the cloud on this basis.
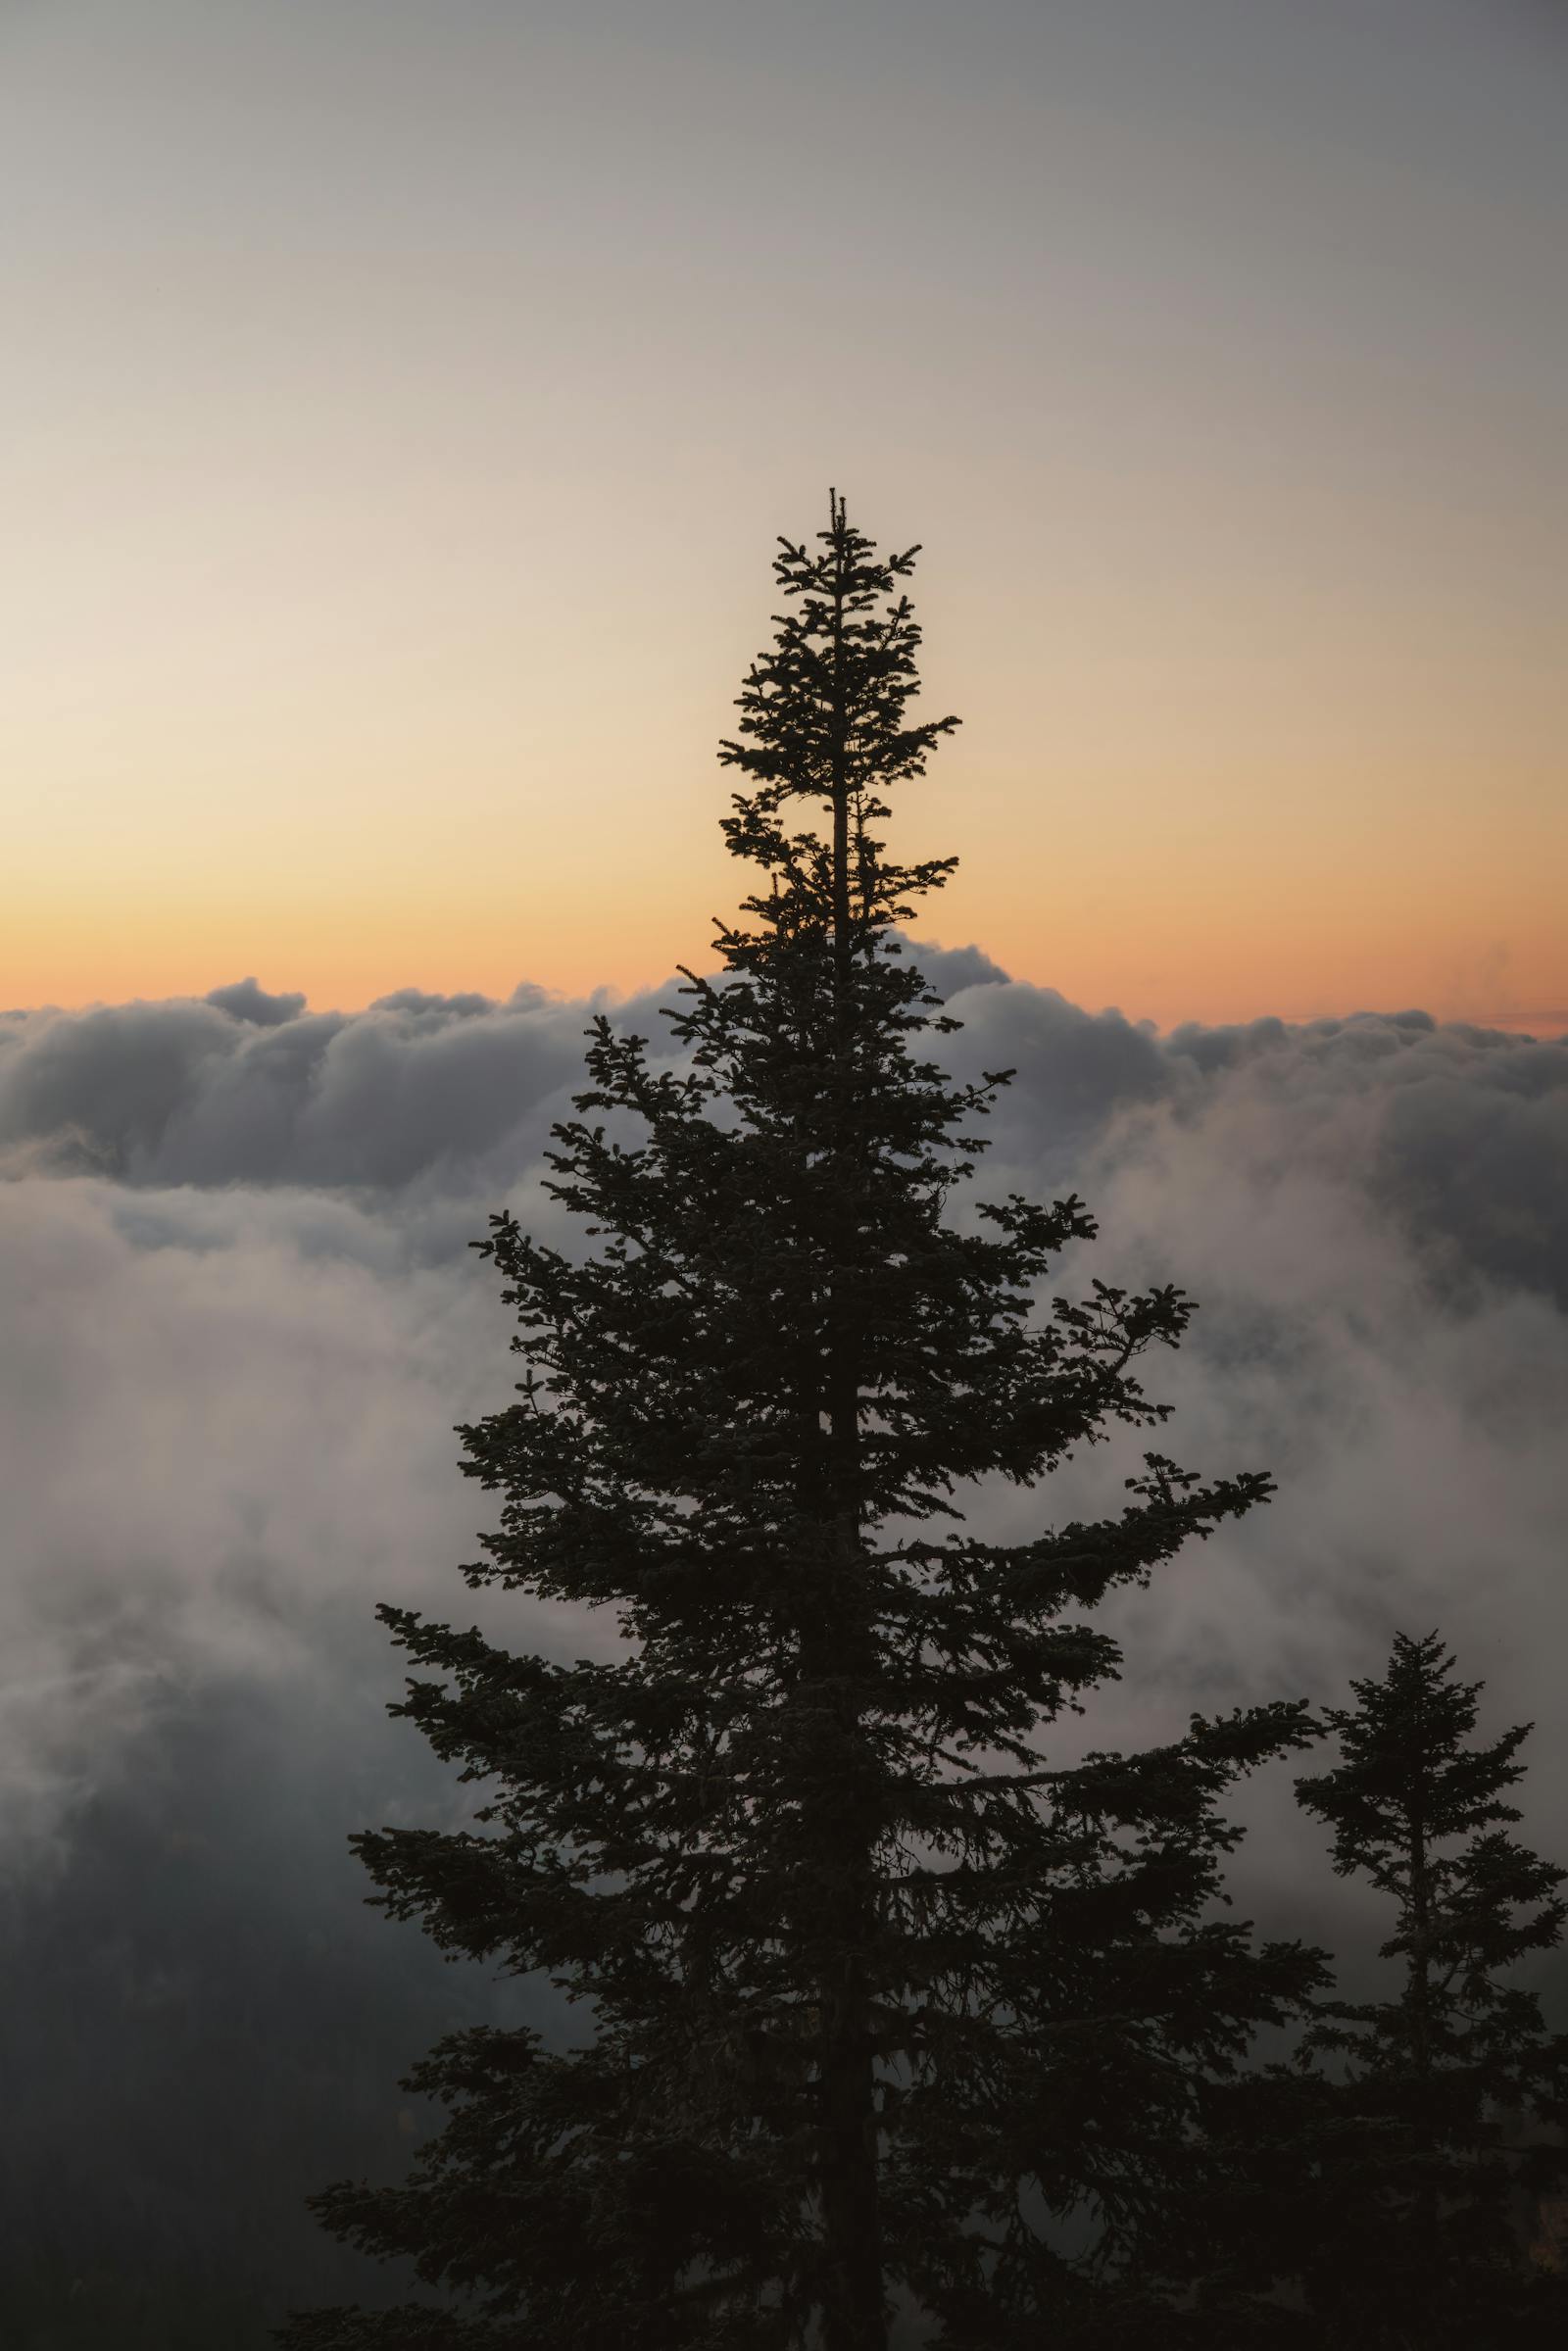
(262, 1285)
(242, 1320)
(952, 969)
(223, 1422)
(1457, 1136)
(224, 1434)
(1462, 1133)
(247, 1000)
(247, 1327)
(251, 1089)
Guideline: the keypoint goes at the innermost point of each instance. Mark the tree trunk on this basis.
(1418, 1997)
(853, 2310)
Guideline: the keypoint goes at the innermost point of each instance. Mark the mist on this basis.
(244, 1320)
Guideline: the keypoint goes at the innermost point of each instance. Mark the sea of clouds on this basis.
(241, 1319)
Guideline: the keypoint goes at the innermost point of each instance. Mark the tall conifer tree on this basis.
(882, 1998)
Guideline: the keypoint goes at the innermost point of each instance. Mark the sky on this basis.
(406, 400)
(406, 403)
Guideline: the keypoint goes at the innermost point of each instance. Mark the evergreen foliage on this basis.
(1452, 2092)
(1394, 2171)
(884, 2000)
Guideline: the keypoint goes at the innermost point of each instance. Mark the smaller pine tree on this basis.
(1434, 2118)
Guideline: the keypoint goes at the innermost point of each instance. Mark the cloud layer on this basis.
(1462, 1133)
(243, 1320)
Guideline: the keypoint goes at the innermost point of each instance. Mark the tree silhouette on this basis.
(1395, 2166)
(1447, 2086)
(884, 2001)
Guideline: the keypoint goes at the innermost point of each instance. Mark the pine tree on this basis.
(1438, 2112)
(883, 2001)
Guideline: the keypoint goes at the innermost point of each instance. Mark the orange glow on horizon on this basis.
(1163, 937)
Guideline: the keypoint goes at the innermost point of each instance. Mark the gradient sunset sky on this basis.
(401, 401)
